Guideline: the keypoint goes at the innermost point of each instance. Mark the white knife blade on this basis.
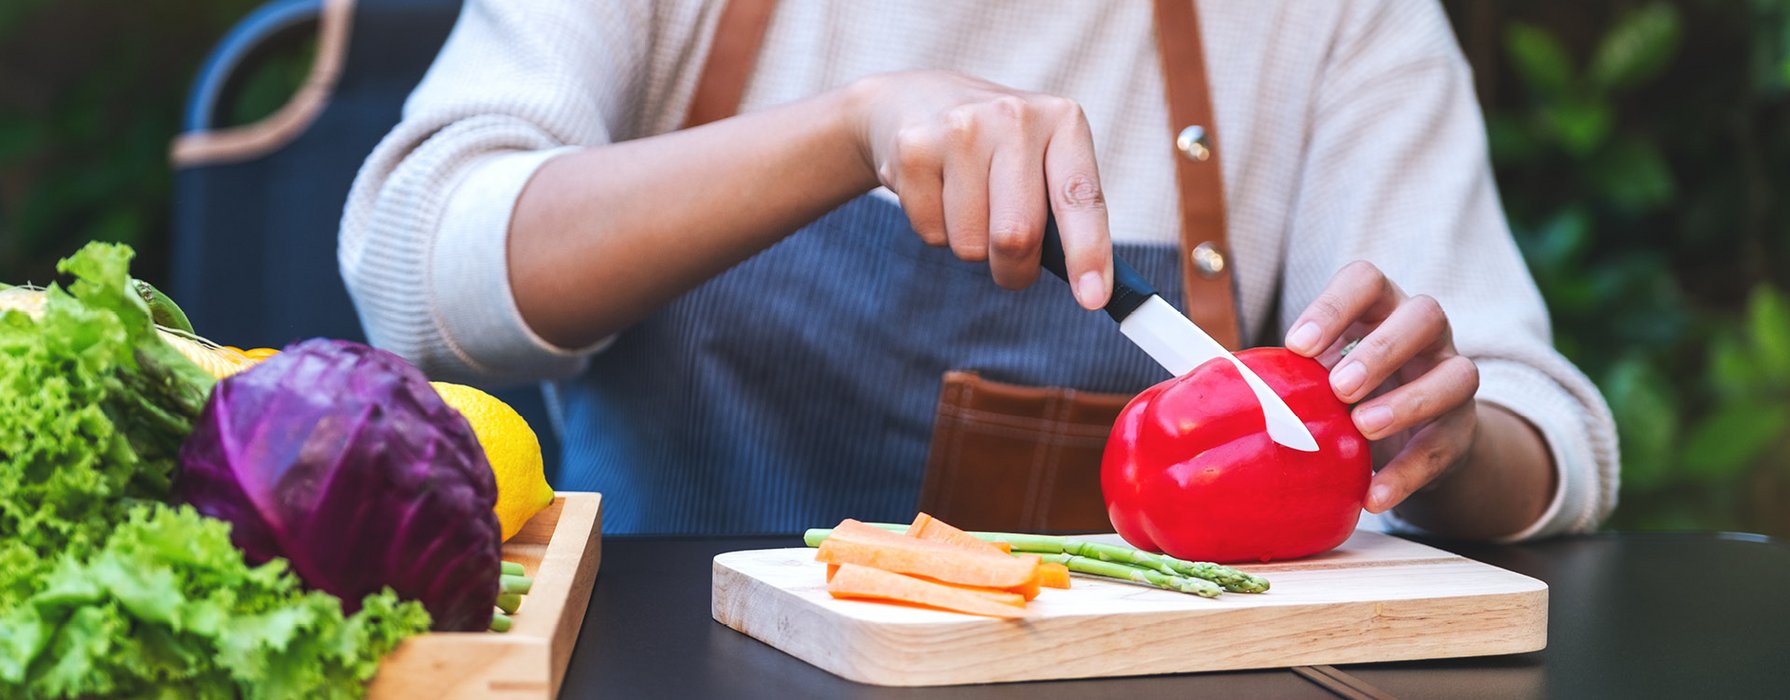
(1174, 341)
(1179, 345)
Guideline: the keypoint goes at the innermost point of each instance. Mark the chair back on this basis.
(257, 207)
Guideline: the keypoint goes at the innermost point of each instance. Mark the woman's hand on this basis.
(1415, 392)
(974, 162)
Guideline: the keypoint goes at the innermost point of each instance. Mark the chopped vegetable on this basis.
(856, 581)
(1053, 575)
(342, 459)
(927, 527)
(853, 542)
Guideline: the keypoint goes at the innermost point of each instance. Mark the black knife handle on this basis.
(1129, 288)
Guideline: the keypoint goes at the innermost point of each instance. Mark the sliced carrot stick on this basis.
(927, 527)
(1053, 575)
(831, 570)
(854, 581)
(1032, 587)
(1004, 596)
(856, 543)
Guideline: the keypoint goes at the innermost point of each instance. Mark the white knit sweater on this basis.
(1348, 129)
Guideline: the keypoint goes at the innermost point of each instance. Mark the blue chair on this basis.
(257, 206)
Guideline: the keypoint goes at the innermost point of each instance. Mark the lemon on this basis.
(511, 447)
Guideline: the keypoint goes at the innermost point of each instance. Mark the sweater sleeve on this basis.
(1397, 173)
(423, 243)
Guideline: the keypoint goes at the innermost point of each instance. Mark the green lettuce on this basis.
(93, 406)
(168, 608)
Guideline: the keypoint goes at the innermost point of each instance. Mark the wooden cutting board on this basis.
(1375, 598)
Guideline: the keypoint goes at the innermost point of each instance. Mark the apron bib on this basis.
(852, 371)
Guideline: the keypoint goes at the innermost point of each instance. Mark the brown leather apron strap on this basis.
(1205, 257)
(731, 56)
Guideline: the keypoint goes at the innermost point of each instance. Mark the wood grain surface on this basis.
(560, 547)
(1375, 598)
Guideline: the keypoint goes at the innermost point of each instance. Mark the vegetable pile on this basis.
(271, 535)
(932, 564)
(1189, 469)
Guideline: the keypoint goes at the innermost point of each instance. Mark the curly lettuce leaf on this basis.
(93, 407)
(168, 607)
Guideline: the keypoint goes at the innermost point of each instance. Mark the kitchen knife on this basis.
(1173, 341)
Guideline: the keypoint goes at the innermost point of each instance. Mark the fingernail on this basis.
(1091, 289)
(1379, 498)
(1304, 339)
(1347, 378)
(1373, 419)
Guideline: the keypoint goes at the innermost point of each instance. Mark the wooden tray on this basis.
(561, 548)
(1375, 598)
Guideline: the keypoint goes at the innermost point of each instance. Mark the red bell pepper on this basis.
(1190, 471)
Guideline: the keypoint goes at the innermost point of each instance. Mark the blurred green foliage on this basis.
(1641, 148)
(91, 97)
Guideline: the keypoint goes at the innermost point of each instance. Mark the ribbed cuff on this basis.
(469, 274)
(1538, 399)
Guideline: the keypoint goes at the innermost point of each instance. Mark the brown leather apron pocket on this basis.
(1018, 458)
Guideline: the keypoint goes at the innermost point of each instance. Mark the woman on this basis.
(746, 320)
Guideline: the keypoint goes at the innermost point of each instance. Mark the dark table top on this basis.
(1630, 615)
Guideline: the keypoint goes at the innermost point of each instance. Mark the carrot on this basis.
(1004, 596)
(1032, 587)
(927, 527)
(856, 543)
(1053, 575)
(832, 569)
(854, 581)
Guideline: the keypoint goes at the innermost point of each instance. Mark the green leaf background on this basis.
(1641, 149)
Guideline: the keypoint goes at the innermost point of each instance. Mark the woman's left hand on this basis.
(1413, 393)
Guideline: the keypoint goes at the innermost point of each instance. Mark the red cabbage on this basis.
(342, 459)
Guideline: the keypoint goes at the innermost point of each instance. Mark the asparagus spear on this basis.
(1125, 572)
(515, 584)
(512, 585)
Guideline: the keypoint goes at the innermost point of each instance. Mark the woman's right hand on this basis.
(974, 162)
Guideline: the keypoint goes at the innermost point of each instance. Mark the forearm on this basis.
(603, 236)
(1503, 486)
